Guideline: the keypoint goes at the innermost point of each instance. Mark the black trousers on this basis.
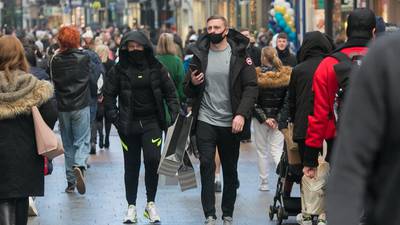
(145, 135)
(102, 121)
(208, 138)
(14, 211)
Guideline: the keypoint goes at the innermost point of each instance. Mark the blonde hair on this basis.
(269, 55)
(12, 56)
(166, 45)
(103, 52)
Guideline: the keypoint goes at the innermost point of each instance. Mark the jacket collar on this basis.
(236, 40)
(18, 95)
(273, 79)
(354, 42)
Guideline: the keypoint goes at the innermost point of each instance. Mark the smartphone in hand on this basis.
(194, 67)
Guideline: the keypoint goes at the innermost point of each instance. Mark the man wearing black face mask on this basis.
(223, 88)
(142, 85)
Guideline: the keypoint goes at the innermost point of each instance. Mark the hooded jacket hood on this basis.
(18, 95)
(236, 40)
(141, 38)
(315, 44)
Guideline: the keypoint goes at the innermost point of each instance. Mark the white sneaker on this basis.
(131, 216)
(150, 212)
(304, 220)
(32, 208)
(210, 221)
(263, 186)
(321, 222)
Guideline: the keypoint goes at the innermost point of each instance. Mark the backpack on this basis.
(343, 70)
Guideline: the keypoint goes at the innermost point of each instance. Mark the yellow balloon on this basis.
(287, 17)
(280, 9)
(290, 23)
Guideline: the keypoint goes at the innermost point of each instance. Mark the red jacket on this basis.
(321, 123)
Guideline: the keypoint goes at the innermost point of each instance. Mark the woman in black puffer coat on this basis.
(270, 116)
(22, 169)
(147, 105)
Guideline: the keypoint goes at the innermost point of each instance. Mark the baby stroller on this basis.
(285, 206)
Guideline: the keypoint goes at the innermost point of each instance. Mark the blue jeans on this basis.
(75, 133)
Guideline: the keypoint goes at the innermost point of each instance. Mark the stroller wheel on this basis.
(271, 212)
(280, 215)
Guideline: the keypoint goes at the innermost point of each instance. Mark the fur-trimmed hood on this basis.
(18, 95)
(274, 79)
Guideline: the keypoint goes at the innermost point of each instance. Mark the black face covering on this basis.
(137, 58)
(216, 38)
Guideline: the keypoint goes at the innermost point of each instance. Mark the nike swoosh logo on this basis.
(155, 140)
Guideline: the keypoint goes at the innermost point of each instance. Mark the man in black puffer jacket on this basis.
(70, 71)
(223, 89)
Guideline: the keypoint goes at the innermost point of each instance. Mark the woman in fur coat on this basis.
(269, 116)
(22, 169)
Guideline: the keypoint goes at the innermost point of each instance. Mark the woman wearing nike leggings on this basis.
(143, 88)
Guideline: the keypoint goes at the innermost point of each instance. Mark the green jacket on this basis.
(174, 66)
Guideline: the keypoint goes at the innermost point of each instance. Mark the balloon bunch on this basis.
(282, 19)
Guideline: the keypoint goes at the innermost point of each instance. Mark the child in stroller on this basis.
(311, 203)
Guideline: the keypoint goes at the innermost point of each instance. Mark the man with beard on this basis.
(223, 88)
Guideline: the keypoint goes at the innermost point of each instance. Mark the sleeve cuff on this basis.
(311, 156)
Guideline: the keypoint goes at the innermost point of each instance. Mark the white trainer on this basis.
(131, 216)
(150, 212)
(263, 186)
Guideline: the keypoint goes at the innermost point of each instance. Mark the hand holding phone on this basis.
(197, 77)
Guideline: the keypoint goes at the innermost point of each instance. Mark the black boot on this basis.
(101, 143)
(107, 143)
(93, 149)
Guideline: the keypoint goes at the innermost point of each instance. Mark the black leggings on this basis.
(14, 211)
(147, 135)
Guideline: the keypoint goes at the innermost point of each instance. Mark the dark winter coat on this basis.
(314, 48)
(287, 58)
(118, 84)
(96, 70)
(365, 163)
(22, 169)
(255, 54)
(39, 73)
(70, 72)
(273, 88)
(242, 82)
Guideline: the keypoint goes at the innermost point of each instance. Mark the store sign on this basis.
(76, 3)
(52, 11)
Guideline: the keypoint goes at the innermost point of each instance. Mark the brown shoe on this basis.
(70, 188)
(80, 180)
